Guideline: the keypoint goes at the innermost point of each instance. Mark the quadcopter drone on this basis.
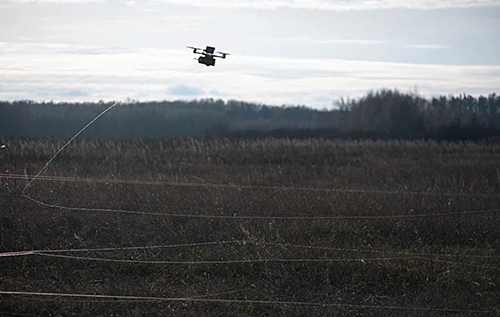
(208, 55)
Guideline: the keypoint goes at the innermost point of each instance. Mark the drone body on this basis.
(208, 55)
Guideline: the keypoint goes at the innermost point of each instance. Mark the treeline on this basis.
(206, 117)
(381, 114)
(391, 114)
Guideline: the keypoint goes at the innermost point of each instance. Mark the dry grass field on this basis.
(250, 227)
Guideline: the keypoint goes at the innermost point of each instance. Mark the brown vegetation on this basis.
(377, 228)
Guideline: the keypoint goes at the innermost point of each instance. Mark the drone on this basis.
(208, 55)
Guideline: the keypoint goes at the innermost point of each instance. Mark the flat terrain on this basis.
(263, 227)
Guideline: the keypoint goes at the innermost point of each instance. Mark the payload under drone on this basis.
(208, 55)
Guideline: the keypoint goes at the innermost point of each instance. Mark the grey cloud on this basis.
(313, 41)
(184, 90)
(22, 46)
(58, 1)
(93, 51)
(297, 73)
(74, 93)
(348, 5)
(428, 46)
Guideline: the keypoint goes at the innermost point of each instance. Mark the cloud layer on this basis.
(113, 49)
(344, 5)
(67, 72)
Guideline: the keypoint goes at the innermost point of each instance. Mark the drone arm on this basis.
(221, 55)
(196, 50)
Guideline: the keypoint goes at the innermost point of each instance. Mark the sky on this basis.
(284, 52)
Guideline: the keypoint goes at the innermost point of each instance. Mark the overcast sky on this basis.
(307, 52)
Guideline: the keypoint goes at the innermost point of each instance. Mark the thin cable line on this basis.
(223, 293)
(147, 247)
(67, 143)
(17, 253)
(250, 302)
(234, 210)
(164, 205)
(381, 251)
(249, 261)
(30, 252)
(232, 186)
(219, 261)
(123, 211)
(138, 300)
(244, 242)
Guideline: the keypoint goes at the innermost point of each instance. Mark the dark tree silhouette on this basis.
(381, 114)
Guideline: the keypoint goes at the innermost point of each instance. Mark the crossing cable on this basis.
(242, 242)
(66, 144)
(233, 210)
(248, 289)
(30, 252)
(235, 186)
(264, 260)
(236, 217)
(299, 216)
(380, 251)
(248, 302)
(240, 261)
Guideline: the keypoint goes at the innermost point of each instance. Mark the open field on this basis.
(263, 227)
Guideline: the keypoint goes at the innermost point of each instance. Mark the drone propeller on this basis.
(195, 49)
(222, 54)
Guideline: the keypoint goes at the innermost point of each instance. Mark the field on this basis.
(250, 227)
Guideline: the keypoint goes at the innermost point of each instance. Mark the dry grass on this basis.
(268, 178)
